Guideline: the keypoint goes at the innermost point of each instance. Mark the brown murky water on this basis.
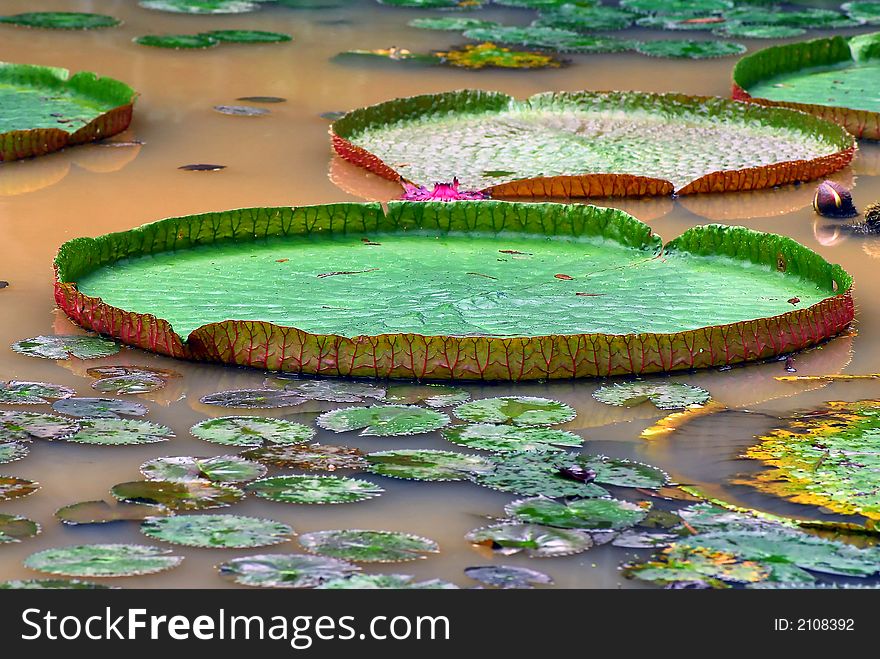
(284, 159)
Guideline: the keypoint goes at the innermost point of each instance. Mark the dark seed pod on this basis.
(872, 217)
(833, 200)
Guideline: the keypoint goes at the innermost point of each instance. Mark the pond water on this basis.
(284, 158)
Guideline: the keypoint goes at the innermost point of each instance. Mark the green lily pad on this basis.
(176, 495)
(99, 408)
(698, 565)
(12, 451)
(119, 432)
(518, 410)
(16, 392)
(202, 6)
(536, 473)
(247, 36)
(309, 457)
(644, 540)
(591, 18)
(681, 22)
(314, 489)
(368, 546)
(383, 420)
(622, 473)
(177, 41)
(251, 431)
(452, 23)
(433, 395)
(677, 6)
(101, 512)
(507, 576)
(806, 17)
(221, 531)
(863, 11)
(285, 570)
(664, 395)
(430, 4)
(426, 464)
(129, 384)
(592, 514)
(535, 540)
(504, 439)
(50, 584)
(14, 528)
(66, 346)
(690, 49)
(61, 20)
(385, 581)
(333, 391)
(744, 31)
(550, 38)
(533, 4)
(15, 488)
(26, 426)
(103, 560)
(253, 399)
(217, 469)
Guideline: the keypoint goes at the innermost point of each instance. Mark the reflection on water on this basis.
(283, 159)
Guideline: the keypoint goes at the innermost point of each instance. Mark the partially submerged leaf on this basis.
(518, 410)
(536, 540)
(383, 420)
(101, 512)
(592, 514)
(17, 392)
(99, 408)
(664, 395)
(129, 384)
(335, 391)
(12, 451)
(121, 370)
(427, 464)
(26, 426)
(66, 346)
(176, 495)
(285, 570)
(309, 457)
(314, 489)
(385, 581)
(223, 531)
(15, 528)
(253, 398)
(103, 560)
(217, 469)
(368, 546)
(50, 584)
(697, 564)
(251, 431)
(119, 432)
(15, 488)
(241, 110)
(503, 438)
(507, 576)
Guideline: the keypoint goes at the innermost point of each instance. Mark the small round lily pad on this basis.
(218, 469)
(119, 432)
(503, 438)
(688, 49)
(507, 576)
(15, 528)
(177, 41)
(385, 582)
(61, 20)
(383, 420)
(26, 426)
(538, 473)
(129, 384)
(247, 36)
(241, 110)
(427, 464)
(309, 457)
(333, 391)
(314, 489)
(591, 514)
(743, 31)
(63, 346)
(12, 451)
(176, 495)
(451, 23)
(251, 431)
(676, 6)
(99, 408)
(15, 488)
(518, 410)
(50, 584)
(202, 6)
(17, 392)
(433, 395)
(537, 541)
(253, 399)
(369, 546)
(101, 512)
(103, 560)
(285, 570)
(664, 395)
(220, 531)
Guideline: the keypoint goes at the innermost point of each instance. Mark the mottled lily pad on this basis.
(742, 31)
(806, 17)
(679, 564)
(385, 581)
(202, 6)
(518, 410)
(119, 432)
(103, 560)
(503, 438)
(383, 420)
(676, 6)
(26, 426)
(247, 36)
(50, 584)
(12, 451)
(490, 56)
(309, 457)
(66, 346)
(664, 395)
(537, 473)
(176, 495)
(314, 489)
(16, 392)
(241, 110)
(217, 469)
(507, 576)
(433, 395)
(864, 11)
(285, 570)
(333, 391)
(427, 464)
(253, 399)
(15, 488)
(681, 22)
(369, 546)
(61, 20)
(15, 528)
(550, 38)
(121, 370)
(222, 531)
(102, 512)
(535, 540)
(590, 18)
(129, 384)
(451, 23)
(592, 514)
(690, 49)
(251, 431)
(99, 408)
(177, 41)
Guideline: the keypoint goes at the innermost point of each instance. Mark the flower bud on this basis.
(833, 200)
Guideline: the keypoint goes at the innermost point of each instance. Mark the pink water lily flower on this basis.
(441, 192)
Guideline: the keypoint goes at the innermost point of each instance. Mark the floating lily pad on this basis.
(369, 546)
(432, 395)
(536, 473)
(807, 17)
(664, 395)
(129, 384)
(101, 512)
(61, 20)
(490, 56)
(222, 531)
(14, 528)
(503, 438)
(252, 431)
(532, 4)
(537, 541)
(285, 570)
(103, 560)
(426, 464)
(314, 489)
(309, 457)
(644, 540)
(833, 78)
(261, 99)
(103, 408)
(253, 399)
(176, 495)
(592, 514)
(383, 420)
(12, 451)
(15, 488)
(863, 11)
(452, 23)
(177, 41)
(562, 41)
(202, 167)
(698, 565)
(118, 371)
(66, 346)
(334, 391)
(385, 581)
(241, 110)
(50, 584)
(16, 392)
(619, 472)
(689, 49)
(518, 410)
(26, 426)
(676, 6)
(742, 31)
(590, 18)
(202, 6)
(218, 469)
(247, 36)
(507, 576)
(119, 432)
(681, 22)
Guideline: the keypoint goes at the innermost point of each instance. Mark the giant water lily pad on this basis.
(536, 540)
(47, 109)
(426, 464)
(99, 408)
(285, 570)
(178, 495)
(66, 346)
(309, 457)
(833, 78)
(368, 546)
(314, 489)
(518, 410)
(584, 144)
(15, 528)
(665, 395)
(16, 392)
(222, 531)
(592, 514)
(103, 560)
(119, 432)
(218, 469)
(26, 426)
(503, 438)
(383, 420)
(251, 431)
(439, 294)
(61, 20)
